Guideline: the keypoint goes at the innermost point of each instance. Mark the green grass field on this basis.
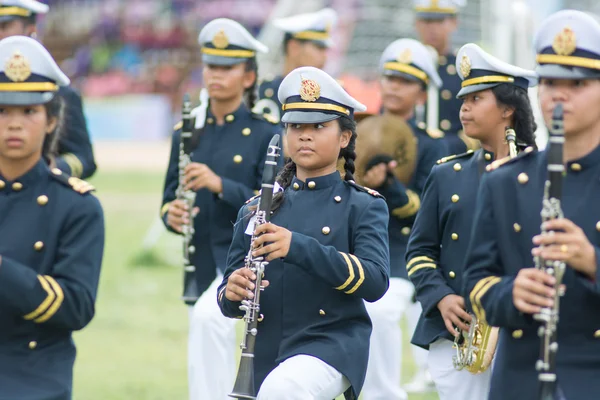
(135, 348)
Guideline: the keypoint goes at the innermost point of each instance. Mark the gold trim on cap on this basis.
(311, 35)
(227, 53)
(487, 79)
(435, 9)
(315, 106)
(571, 61)
(407, 69)
(16, 11)
(28, 87)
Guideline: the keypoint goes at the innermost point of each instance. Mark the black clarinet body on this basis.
(244, 383)
(551, 209)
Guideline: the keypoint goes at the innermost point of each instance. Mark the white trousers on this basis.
(303, 377)
(450, 383)
(211, 348)
(385, 355)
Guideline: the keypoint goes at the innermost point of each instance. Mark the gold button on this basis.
(455, 198)
(311, 184)
(42, 200)
(451, 69)
(445, 124)
(452, 274)
(56, 171)
(237, 159)
(338, 199)
(598, 226)
(597, 334)
(455, 236)
(326, 230)
(405, 231)
(210, 120)
(2, 185)
(442, 60)
(269, 92)
(17, 186)
(576, 167)
(421, 125)
(322, 312)
(517, 227)
(487, 156)
(38, 245)
(296, 186)
(446, 94)
(261, 318)
(246, 131)
(517, 334)
(457, 167)
(229, 118)
(32, 344)
(523, 178)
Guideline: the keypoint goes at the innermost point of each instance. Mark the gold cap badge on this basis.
(465, 66)
(17, 68)
(565, 42)
(220, 40)
(405, 57)
(310, 90)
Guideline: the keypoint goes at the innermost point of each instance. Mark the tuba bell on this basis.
(385, 138)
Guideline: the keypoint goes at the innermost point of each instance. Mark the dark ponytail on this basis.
(54, 109)
(288, 172)
(250, 93)
(523, 121)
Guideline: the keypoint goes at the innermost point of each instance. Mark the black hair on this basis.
(288, 172)
(523, 120)
(250, 93)
(54, 109)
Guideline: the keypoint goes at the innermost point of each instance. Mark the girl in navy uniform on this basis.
(328, 252)
(51, 232)
(494, 96)
(501, 284)
(226, 170)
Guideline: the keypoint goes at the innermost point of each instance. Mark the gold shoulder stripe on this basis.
(164, 209)
(410, 208)
(497, 163)
(44, 304)
(417, 259)
(80, 186)
(421, 266)
(57, 303)
(178, 126)
(350, 272)
(74, 164)
(454, 156)
(361, 274)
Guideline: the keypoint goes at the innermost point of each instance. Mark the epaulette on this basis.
(178, 126)
(266, 117)
(434, 133)
(365, 189)
(508, 160)
(78, 185)
(454, 157)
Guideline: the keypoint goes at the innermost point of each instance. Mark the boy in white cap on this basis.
(76, 155)
(228, 145)
(407, 70)
(307, 38)
(507, 282)
(495, 103)
(327, 248)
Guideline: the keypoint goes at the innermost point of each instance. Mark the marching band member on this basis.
(306, 41)
(494, 96)
(75, 152)
(435, 22)
(406, 69)
(499, 285)
(51, 232)
(327, 247)
(226, 169)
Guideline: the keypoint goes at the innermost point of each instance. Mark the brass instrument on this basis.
(244, 382)
(385, 138)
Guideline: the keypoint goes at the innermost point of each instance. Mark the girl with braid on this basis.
(327, 247)
(230, 144)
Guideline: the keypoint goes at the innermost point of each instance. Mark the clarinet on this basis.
(511, 139)
(190, 286)
(244, 382)
(551, 209)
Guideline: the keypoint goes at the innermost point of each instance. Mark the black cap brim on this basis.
(434, 15)
(25, 98)
(220, 60)
(475, 88)
(565, 72)
(307, 117)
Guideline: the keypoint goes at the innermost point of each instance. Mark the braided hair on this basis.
(288, 172)
(54, 109)
(250, 95)
(523, 120)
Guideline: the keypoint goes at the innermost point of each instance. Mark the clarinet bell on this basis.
(190, 289)
(244, 382)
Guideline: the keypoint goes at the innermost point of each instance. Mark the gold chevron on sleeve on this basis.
(221, 293)
(74, 163)
(482, 292)
(57, 303)
(475, 292)
(350, 273)
(50, 297)
(415, 260)
(164, 209)
(361, 274)
(421, 266)
(410, 208)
